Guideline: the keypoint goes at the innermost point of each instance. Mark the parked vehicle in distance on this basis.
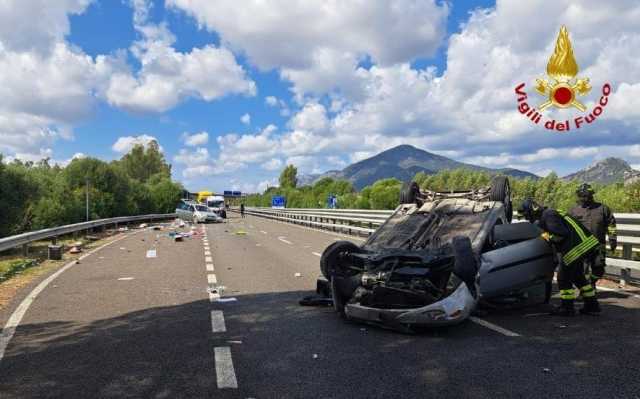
(195, 212)
(216, 204)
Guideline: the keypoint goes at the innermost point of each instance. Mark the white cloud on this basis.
(27, 25)
(271, 101)
(167, 76)
(245, 119)
(289, 33)
(126, 143)
(192, 158)
(272, 164)
(196, 139)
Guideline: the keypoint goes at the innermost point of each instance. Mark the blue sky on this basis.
(320, 85)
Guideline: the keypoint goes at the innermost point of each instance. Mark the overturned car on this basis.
(437, 258)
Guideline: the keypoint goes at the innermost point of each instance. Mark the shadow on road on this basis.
(283, 350)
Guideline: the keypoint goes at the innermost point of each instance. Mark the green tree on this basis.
(143, 162)
(289, 177)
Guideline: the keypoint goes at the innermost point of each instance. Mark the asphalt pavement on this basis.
(217, 316)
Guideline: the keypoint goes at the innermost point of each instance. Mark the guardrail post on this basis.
(25, 250)
(625, 273)
(54, 240)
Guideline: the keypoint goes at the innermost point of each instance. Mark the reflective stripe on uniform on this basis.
(568, 294)
(579, 250)
(611, 230)
(587, 291)
(575, 226)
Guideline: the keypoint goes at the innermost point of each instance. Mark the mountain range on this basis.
(404, 161)
(401, 162)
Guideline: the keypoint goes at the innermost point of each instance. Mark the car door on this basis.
(516, 259)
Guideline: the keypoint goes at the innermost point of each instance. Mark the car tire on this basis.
(409, 193)
(501, 192)
(465, 263)
(331, 255)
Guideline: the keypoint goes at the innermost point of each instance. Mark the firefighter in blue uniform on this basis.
(575, 244)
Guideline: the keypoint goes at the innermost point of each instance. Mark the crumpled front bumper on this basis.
(451, 310)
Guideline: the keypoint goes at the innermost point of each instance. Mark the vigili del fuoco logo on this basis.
(563, 90)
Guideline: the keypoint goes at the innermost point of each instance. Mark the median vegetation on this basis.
(40, 195)
(384, 194)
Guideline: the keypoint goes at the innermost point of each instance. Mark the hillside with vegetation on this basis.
(384, 194)
(40, 195)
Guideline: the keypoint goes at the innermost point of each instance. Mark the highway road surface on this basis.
(216, 316)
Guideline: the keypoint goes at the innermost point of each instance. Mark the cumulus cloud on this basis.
(467, 110)
(196, 139)
(245, 119)
(272, 164)
(47, 85)
(167, 76)
(126, 143)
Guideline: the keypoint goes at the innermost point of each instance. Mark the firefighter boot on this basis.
(565, 309)
(591, 306)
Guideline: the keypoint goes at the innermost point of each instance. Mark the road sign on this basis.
(278, 201)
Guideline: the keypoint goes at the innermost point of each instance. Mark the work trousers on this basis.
(573, 275)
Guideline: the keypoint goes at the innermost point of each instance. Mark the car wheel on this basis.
(330, 259)
(465, 264)
(409, 193)
(501, 192)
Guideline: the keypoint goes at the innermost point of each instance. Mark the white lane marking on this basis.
(209, 267)
(225, 374)
(263, 232)
(125, 278)
(207, 252)
(258, 245)
(619, 291)
(208, 259)
(493, 327)
(283, 239)
(10, 327)
(152, 253)
(316, 254)
(213, 296)
(217, 321)
(211, 278)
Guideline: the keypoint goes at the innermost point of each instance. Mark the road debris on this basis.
(546, 370)
(234, 341)
(297, 275)
(123, 248)
(152, 253)
(241, 233)
(227, 299)
(75, 250)
(143, 225)
(315, 355)
(125, 278)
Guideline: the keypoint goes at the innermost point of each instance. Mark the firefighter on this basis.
(575, 244)
(599, 219)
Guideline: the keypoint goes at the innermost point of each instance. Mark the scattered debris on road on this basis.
(125, 278)
(297, 275)
(152, 253)
(143, 225)
(315, 355)
(546, 370)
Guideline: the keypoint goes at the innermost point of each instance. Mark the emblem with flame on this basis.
(563, 69)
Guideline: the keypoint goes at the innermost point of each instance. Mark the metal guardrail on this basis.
(26, 238)
(365, 222)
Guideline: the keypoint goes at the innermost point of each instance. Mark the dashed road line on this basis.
(211, 278)
(213, 296)
(217, 321)
(493, 327)
(284, 240)
(210, 267)
(208, 259)
(207, 252)
(225, 373)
